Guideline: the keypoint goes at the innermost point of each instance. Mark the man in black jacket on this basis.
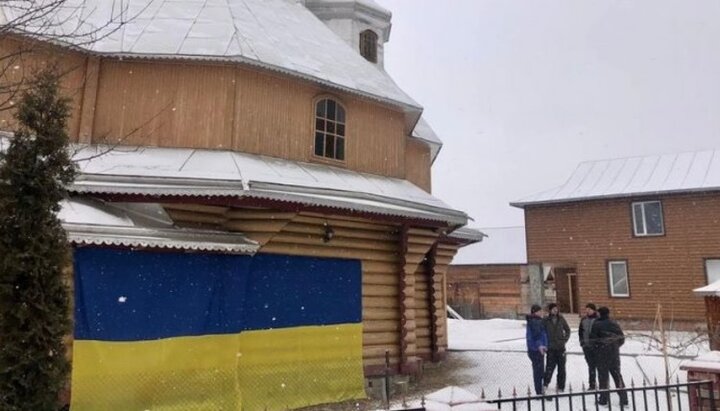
(584, 333)
(558, 332)
(607, 337)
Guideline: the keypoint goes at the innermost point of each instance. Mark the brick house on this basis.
(631, 234)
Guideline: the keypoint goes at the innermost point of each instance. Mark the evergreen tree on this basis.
(34, 300)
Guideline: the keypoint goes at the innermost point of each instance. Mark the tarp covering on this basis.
(174, 331)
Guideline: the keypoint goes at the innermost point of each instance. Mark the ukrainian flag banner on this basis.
(175, 331)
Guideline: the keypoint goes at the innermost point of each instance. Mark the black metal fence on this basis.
(690, 396)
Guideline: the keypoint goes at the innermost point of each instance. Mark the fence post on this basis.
(387, 379)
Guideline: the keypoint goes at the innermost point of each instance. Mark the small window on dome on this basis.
(330, 129)
(368, 45)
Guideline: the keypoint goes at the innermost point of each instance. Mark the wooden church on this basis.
(253, 225)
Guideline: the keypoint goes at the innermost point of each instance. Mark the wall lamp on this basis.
(329, 233)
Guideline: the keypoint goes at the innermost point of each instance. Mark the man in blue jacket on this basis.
(537, 343)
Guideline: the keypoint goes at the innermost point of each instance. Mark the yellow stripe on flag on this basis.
(254, 370)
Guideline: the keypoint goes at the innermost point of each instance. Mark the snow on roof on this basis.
(503, 245)
(424, 132)
(708, 290)
(709, 361)
(468, 234)
(91, 222)
(626, 177)
(194, 172)
(279, 35)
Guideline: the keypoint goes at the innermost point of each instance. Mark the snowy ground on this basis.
(490, 355)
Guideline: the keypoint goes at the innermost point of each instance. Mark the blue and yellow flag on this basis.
(176, 331)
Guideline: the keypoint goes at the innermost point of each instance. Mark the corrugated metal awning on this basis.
(91, 222)
(212, 173)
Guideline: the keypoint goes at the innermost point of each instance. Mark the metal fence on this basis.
(691, 395)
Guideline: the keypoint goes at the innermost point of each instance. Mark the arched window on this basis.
(329, 129)
(368, 45)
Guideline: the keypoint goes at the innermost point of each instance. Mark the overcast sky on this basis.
(521, 91)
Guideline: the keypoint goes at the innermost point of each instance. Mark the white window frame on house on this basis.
(641, 205)
(611, 278)
(712, 270)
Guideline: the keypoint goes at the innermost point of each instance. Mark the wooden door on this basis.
(566, 288)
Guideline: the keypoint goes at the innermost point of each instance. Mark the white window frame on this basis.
(611, 284)
(643, 220)
(708, 262)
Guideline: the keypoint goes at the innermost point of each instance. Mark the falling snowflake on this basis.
(122, 299)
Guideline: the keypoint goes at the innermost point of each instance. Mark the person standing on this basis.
(607, 337)
(558, 333)
(537, 343)
(586, 324)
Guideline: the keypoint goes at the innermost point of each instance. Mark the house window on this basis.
(712, 270)
(368, 45)
(647, 218)
(618, 278)
(329, 129)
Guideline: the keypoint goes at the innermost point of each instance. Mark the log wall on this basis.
(403, 301)
(211, 106)
(20, 59)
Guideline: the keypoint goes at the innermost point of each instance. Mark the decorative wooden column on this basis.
(442, 256)
(409, 362)
(414, 244)
(436, 292)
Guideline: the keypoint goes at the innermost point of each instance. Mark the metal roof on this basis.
(503, 245)
(193, 172)
(709, 290)
(627, 177)
(469, 234)
(278, 35)
(425, 133)
(91, 222)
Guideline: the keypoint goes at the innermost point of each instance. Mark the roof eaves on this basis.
(468, 233)
(158, 186)
(370, 206)
(195, 240)
(359, 196)
(523, 204)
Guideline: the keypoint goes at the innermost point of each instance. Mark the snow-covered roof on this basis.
(709, 290)
(424, 132)
(192, 172)
(91, 222)
(503, 245)
(468, 234)
(708, 362)
(278, 35)
(627, 177)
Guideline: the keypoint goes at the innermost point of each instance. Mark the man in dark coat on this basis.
(558, 332)
(606, 337)
(537, 343)
(584, 333)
